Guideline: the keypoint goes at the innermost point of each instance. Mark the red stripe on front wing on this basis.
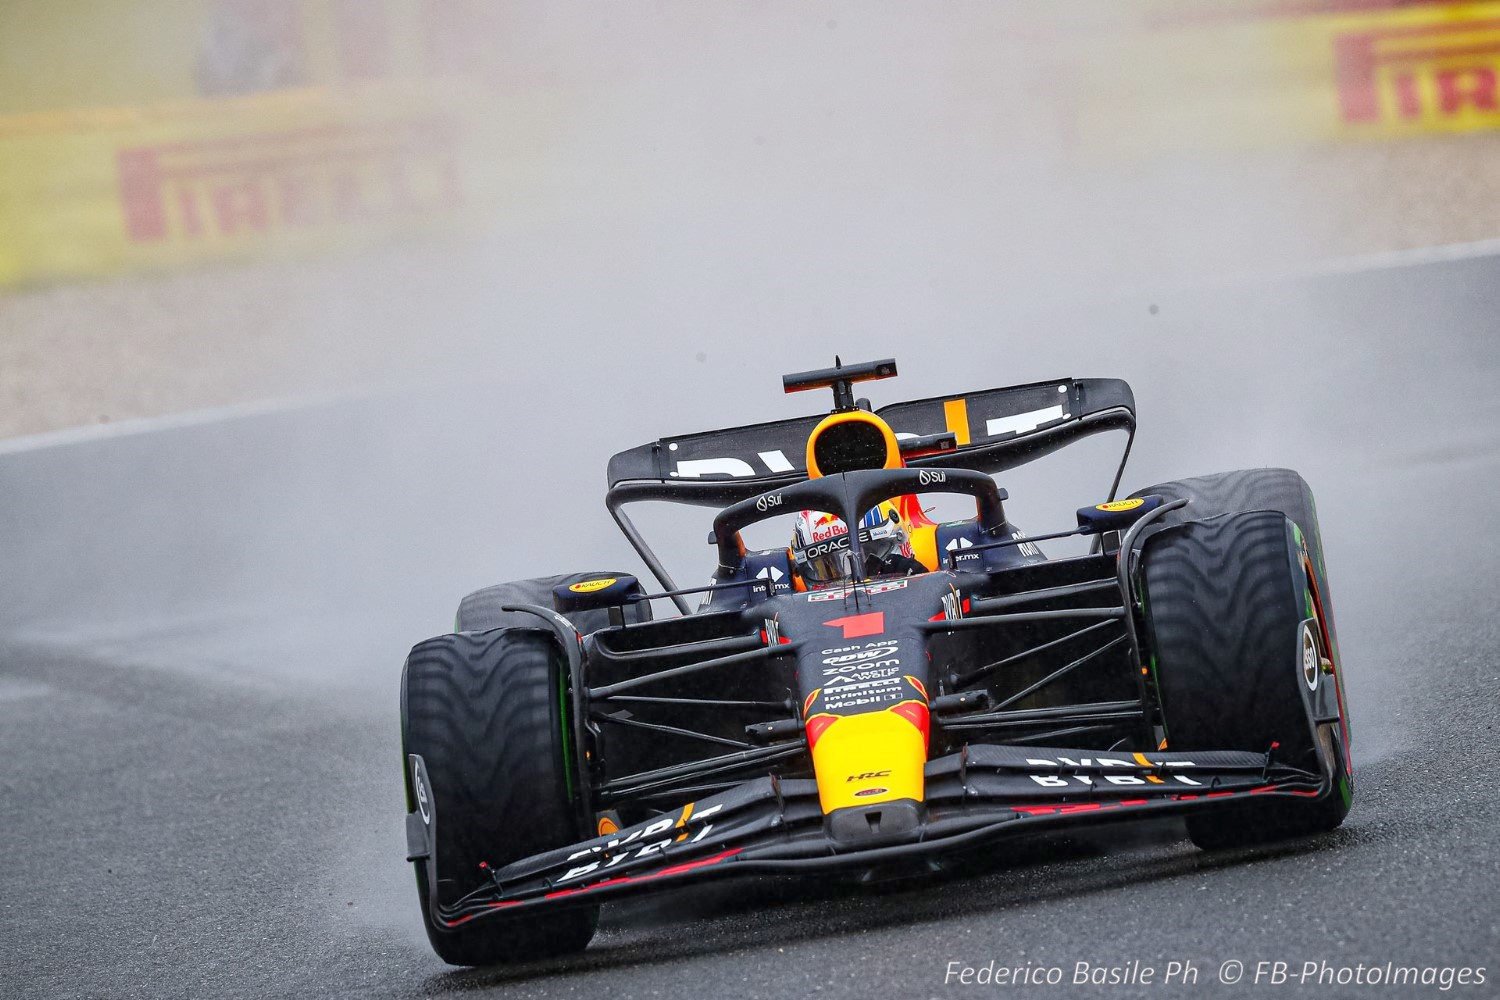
(673, 870)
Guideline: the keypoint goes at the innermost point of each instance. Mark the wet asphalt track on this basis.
(199, 780)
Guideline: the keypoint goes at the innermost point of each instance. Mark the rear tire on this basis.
(1225, 601)
(485, 712)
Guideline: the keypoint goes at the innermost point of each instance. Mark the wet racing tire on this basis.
(1224, 600)
(1283, 490)
(486, 713)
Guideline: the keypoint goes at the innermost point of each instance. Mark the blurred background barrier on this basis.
(156, 135)
(92, 194)
(1241, 74)
(165, 133)
(217, 202)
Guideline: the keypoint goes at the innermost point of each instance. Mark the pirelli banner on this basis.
(1195, 76)
(158, 134)
(108, 192)
(1418, 71)
(247, 129)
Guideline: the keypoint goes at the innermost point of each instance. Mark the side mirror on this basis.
(1117, 515)
(601, 592)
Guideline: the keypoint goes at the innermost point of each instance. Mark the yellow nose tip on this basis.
(873, 757)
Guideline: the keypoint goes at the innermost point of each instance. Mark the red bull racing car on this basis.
(859, 700)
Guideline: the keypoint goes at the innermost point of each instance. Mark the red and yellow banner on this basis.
(86, 194)
(1418, 71)
(242, 129)
(166, 133)
(1194, 76)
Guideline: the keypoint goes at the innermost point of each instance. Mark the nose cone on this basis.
(872, 757)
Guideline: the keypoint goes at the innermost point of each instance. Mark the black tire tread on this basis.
(1221, 599)
(1200, 635)
(1243, 489)
(1278, 489)
(481, 710)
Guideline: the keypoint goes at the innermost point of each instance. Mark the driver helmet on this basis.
(820, 545)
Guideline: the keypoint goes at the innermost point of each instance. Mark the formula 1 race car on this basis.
(886, 691)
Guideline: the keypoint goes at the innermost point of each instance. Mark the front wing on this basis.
(974, 797)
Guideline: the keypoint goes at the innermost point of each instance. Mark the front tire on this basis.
(486, 713)
(1225, 603)
(1281, 490)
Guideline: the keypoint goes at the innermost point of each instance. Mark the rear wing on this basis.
(995, 430)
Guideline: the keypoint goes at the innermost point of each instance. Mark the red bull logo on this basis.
(826, 526)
